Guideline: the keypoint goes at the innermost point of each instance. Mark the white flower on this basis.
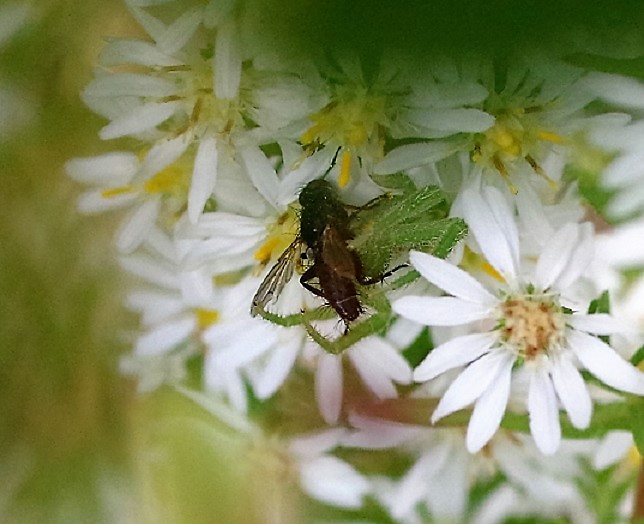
(520, 323)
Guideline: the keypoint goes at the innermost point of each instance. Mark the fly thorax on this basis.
(532, 325)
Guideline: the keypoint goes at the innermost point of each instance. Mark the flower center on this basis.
(352, 121)
(516, 135)
(533, 325)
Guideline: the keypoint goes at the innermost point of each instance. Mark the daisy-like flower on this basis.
(397, 103)
(530, 322)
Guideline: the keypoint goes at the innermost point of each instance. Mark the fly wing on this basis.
(276, 279)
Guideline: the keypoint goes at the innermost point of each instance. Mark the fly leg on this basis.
(366, 281)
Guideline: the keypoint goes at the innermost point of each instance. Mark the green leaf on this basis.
(600, 305)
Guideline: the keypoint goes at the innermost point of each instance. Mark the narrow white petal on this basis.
(204, 176)
(130, 84)
(152, 26)
(277, 369)
(617, 89)
(572, 392)
(110, 169)
(317, 442)
(489, 408)
(454, 353)
(414, 155)
(450, 278)
(163, 154)
(121, 52)
(373, 376)
(458, 120)
(441, 311)
(605, 363)
(624, 170)
(328, 387)
(179, 32)
(261, 173)
(597, 324)
(544, 414)
(384, 355)
(136, 227)
(580, 258)
(227, 61)
(151, 270)
(489, 233)
(334, 482)
(165, 337)
(140, 119)
(556, 256)
(93, 202)
(470, 384)
(612, 449)
(504, 216)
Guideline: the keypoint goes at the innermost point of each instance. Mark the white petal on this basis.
(317, 442)
(110, 169)
(544, 415)
(470, 384)
(162, 154)
(489, 234)
(151, 270)
(450, 278)
(120, 52)
(373, 376)
(441, 311)
(489, 408)
(504, 216)
(165, 338)
(328, 387)
(261, 173)
(572, 392)
(334, 482)
(142, 118)
(612, 449)
(227, 61)
(456, 352)
(458, 120)
(597, 324)
(204, 176)
(605, 363)
(617, 89)
(94, 202)
(130, 84)
(179, 32)
(135, 228)
(382, 354)
(555, 257)
(277, 369)
(414, 155)
(580, 258)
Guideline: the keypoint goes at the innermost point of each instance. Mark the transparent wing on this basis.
(277, 277)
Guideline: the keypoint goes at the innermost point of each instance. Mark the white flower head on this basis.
(531, 320)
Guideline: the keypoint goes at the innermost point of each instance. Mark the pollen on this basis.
(169, 180)
(280, 235)
(116, 191)
(353, 119)
(345, 169)
(206, 317)
(533, 325)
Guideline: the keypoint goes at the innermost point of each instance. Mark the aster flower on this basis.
(522, 323)
(397, 103)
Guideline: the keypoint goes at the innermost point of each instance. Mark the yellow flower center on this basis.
(351, 122)
(533, 325)
(206, 317)
(171, 180)
(516, 135)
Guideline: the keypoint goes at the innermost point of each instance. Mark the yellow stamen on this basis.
(263, 254)
(551, 137)
(345, 169)
(206, 317)
(633, 456)
(116, 191)
(489, 269)
(164, 181)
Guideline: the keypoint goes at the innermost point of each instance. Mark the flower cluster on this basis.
(411, 242)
